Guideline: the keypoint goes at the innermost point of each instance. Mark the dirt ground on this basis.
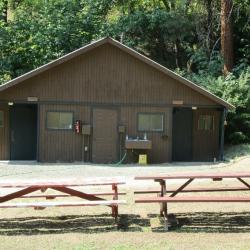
(201, 225)
(12, 171)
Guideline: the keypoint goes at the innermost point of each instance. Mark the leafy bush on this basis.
(235, 88)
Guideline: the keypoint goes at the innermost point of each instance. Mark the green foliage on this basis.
(156, 33)
(235, 88)
(40, 33)
(236, 151)
(183, 35)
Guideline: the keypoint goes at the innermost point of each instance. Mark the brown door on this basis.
(206, 134)
(182, 134)
(104, 136)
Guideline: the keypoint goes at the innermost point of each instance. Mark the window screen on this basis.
(1, 119)
(206, 122)
(59, 120)
(150, 122)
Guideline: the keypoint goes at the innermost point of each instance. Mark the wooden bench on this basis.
(165, 195)
(192, 199)
(192, 190)
(54, 196)
(42, 205)
(65, 189)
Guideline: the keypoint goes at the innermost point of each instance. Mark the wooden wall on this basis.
(103, 76)
(68, 146)
(61, 145)
(206, 142)
(161, 141)
(4, 134)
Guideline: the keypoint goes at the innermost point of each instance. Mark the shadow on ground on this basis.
(72, 224)
(207, 222)
(186, 222)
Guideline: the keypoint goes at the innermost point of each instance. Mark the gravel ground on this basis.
(13, 171)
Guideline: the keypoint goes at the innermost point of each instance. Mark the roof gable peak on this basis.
(124, 48)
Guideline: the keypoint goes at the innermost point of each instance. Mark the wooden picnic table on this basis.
(165, 195)
(66, 188)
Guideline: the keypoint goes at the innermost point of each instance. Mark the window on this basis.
(206, 122)
(150, 122)
(59, 120)
(1, 119)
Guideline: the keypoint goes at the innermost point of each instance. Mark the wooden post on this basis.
(83, 148)
(222, 133)
(163, 210)
(115, 197)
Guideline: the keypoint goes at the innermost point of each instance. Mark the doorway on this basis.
(182, 134)
(105, 135)
(23, 132)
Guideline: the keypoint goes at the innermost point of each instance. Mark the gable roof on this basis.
(126, 49)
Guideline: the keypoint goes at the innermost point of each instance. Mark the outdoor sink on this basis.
(138, 144)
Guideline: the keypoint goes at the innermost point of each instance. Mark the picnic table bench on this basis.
(165, 195)
(64, 188)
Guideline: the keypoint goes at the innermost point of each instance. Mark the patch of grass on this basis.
(200, 225)
(89, 246)
(233, 152)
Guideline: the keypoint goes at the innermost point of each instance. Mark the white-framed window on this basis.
(206, 122)
(1, 119)
(150, 122)
(59, 120)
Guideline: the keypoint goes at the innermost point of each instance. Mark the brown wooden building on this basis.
(116, 94)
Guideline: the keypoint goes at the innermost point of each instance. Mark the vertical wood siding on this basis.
(161, 146)
(4, 134)
(61, 145)
(103, 76)
(206, 142)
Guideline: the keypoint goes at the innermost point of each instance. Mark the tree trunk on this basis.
(177, 54)
(5, 11)
(227, 35)
(209, 41)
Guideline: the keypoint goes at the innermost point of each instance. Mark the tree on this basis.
(4, 10)
(227, 35)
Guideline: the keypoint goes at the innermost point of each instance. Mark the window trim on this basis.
(203, 129)
(2, 126)
(59, 129)
(151, 113)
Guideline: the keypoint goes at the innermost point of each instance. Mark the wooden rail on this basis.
(194, 190)
(63, 204)
(192, 199)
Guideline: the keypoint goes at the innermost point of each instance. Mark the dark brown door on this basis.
(23, 132)
(104, 136)
(206, 140)
(182, 134)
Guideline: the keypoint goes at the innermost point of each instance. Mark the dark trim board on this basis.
(38, 132)
(107, 105)
(222, 133)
